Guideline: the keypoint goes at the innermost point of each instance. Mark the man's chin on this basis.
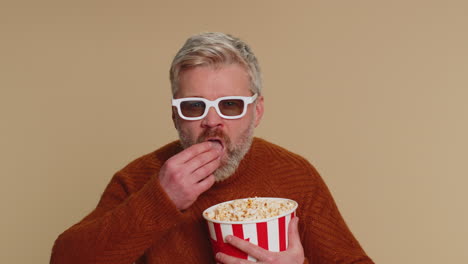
(229, 163)
(222, 174)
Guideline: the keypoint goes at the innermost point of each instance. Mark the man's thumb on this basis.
(294, 239)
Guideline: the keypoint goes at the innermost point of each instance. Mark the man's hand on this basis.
(189, 173)
(293, 255)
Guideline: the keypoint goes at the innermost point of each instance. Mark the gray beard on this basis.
(235, 153)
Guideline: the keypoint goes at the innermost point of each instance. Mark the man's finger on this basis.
(202, 160)
(205, 170)
(294, 239)
(226, 259)
(205, 184)
(247, 247)
(192, 151)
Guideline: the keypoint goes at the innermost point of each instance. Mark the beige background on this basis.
(373, 93)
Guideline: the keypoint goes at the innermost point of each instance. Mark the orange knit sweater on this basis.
(135, 222)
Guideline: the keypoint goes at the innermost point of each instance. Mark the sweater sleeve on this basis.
(120, 229)
(326, 237)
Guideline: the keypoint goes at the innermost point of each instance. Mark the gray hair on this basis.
(215, 49)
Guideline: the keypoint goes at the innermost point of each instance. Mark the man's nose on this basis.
(212, 119)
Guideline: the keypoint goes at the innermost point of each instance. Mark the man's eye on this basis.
(196, 104)
(229, 103)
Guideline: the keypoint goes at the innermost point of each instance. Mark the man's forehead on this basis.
(213, 82)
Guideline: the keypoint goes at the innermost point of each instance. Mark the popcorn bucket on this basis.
(270, 233)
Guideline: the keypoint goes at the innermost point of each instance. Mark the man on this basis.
(151, 211)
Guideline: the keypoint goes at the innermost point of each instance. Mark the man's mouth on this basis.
(217, 141)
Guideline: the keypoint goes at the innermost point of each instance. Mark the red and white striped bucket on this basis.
(269, 233)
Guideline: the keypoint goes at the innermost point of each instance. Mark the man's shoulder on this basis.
(278, 156)
(138, 172)
(276, 151)
(154, 159)
(284, 168)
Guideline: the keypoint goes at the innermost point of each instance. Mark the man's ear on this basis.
(259, 108)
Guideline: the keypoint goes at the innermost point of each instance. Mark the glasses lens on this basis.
(192, 108)
(231, 107)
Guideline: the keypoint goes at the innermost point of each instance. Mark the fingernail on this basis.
(228, 238)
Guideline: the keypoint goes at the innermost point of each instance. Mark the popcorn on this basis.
(262, 221)
(250, 209)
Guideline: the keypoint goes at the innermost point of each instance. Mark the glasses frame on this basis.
(215, 104)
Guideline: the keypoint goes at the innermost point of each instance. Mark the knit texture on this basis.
(135, 221)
